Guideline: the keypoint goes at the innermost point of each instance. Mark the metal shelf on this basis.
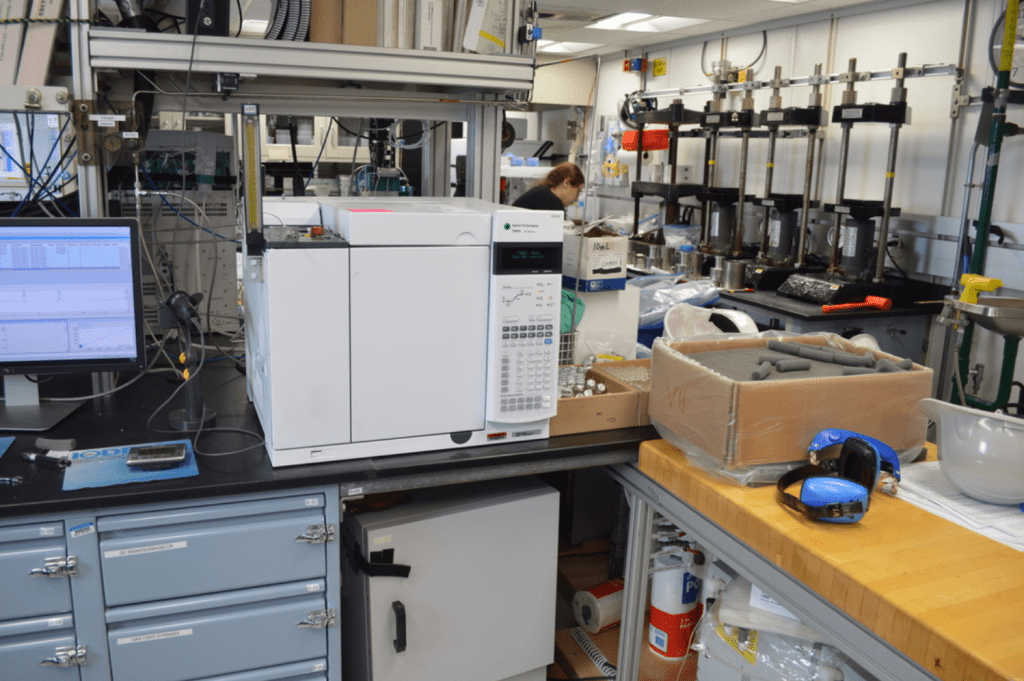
(112, 48)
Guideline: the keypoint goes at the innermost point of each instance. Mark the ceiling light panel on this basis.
(645, 23)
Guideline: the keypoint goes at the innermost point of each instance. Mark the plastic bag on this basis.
(759, 655)
(684, 320)
(679, 235)
(605, 346)
(660, 292)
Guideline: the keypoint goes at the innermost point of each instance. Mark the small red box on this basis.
(654, 140)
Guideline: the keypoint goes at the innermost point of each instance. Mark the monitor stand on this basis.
(22, 410)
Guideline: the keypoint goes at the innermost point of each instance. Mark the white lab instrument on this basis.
(409, 325)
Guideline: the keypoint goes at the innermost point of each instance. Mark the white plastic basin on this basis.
(980, 453)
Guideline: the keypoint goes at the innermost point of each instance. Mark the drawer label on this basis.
(49, 531)
(146, 638)
(312, 502)
(121, 553)
(55, 622)
(82, 530)
(312, 588)
(319, 667)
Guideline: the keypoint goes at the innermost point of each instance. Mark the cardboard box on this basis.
(578, 664)
(619, 407)
(636, 374)
(742, 423)
(10, 38)
(597, 259)
(360, 27)
(326, 19)
(37, 49)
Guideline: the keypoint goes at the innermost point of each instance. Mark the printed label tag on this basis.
(47, 531)
(146, 638)
(312, 588)
(355, 491)
(130, 135)
(121, 553)
(762, 601)
(312, 502)
(853, 113)
(82, 530)
(106, 120)
(319, 667)
(55, 622)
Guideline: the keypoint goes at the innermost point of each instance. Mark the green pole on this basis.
(977, 266)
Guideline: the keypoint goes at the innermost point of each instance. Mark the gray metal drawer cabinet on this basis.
(40, 649)
(189, 551)
(34, 570)
(199, 637)
(310, 670)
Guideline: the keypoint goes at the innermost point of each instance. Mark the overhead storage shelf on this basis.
(112, 48)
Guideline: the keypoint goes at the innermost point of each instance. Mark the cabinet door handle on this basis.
(56, 568)
(399, 626)
(66, 656)
(317, 534)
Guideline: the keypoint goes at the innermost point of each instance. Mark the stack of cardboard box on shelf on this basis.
(439, 25)
(26, 48)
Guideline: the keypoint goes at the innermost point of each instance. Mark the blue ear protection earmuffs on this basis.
(838, 490)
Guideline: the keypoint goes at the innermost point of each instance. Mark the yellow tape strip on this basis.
(497, 41)
(1009, 36)
(890, 175)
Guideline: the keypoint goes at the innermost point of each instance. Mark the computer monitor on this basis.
(70, 302)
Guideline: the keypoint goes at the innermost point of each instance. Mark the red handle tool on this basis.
(877, 302)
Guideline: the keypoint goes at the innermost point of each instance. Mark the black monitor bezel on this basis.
(69, 366)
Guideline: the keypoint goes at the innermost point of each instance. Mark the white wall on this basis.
(933, 149)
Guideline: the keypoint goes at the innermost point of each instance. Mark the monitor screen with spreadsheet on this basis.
(70, 299)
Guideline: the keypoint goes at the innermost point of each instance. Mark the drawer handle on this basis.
(318, 619)
(65, 656)
(57, 568)
(399, 641)
(317, 534)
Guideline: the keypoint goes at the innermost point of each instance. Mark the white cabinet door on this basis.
(479, 600)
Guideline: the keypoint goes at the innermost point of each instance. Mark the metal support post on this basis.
(437, 154)
(482, 155)
(808, 173)
(899, 94)
(634, 594)
(849, 97)
(91, 178)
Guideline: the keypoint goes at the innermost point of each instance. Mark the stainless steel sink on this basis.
(1004, 316)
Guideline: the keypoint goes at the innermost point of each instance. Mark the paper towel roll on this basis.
(599, 607)
(628, 158)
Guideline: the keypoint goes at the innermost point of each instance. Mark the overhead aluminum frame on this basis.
(111, 48)
(842, 631)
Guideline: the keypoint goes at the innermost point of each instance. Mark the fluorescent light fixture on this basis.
(645, 23)
(620, 21)
(551, 47)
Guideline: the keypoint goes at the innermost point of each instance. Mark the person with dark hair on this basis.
(560, 188)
